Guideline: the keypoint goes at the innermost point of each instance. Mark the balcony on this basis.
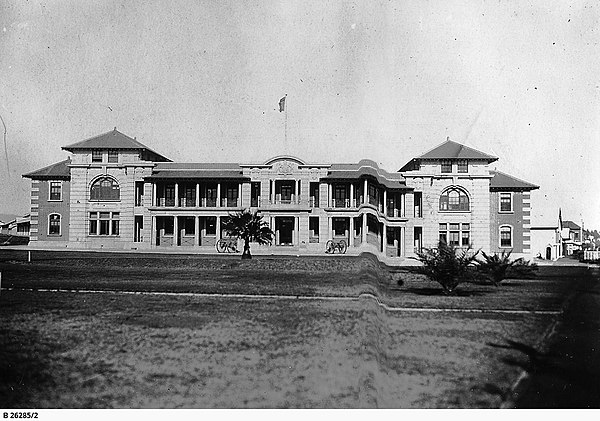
(343, 203)
(287, 200)
(205, 202)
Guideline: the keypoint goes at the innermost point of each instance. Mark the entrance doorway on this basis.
(548, 253)
(285, 228)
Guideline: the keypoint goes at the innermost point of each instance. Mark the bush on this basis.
(447, 265)
(497, 267)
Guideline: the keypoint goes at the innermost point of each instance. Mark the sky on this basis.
(200, 81)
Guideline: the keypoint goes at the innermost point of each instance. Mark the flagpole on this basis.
(285, 145)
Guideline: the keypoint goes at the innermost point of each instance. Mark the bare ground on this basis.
(113, 350)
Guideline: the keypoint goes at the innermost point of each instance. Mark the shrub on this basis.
(447, 265)
(497, 267)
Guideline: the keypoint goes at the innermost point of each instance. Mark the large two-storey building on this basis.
(116, 193)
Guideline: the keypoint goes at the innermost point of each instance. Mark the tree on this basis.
(447, 265)
(249, 226)
(497, 267)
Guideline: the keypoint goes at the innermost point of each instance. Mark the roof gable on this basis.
(112, 140)
(57, 171)
(571, 225)
(502, 181)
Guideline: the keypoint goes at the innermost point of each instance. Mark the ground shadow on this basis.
(428, 291)
(557, 379)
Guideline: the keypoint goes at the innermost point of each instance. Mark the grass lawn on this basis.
(113, 350)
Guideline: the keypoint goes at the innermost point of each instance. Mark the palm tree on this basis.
(249, 226)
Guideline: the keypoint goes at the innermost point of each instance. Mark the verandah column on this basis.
(402, 239)
(218, 195)
(329, 228)
(154, 188)
(196, 228)
(176, 194)
(218, 228)
(384, 237)
(296, 231)
(385, 202)
(329, 196)
(153, 230)
(403, 205)
(197, 195)
(296, 193)
(351, 232)
(364, 228)
(352, 195)
(365, 193)
(175, 230)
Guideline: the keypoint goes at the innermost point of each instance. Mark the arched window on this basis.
(454, 199)
(506, 236)
(105, 188)
(54, 224)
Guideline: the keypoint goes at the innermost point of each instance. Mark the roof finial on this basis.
(115, 128)
(447, 138)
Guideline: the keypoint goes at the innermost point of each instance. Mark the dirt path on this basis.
(567, 376)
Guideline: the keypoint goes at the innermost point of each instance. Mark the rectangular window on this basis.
(113, 156)
(189, 196)
(170, 195)
(211, 196)
(506, 202)
(339, 196)
(463, 166)
(454, 238)
(505, 237)
(54, 224)
(466, 235)
(446, 166)
(93, 223)
(115, 224)
(231, 193)
(96, 155)
(139, 193)
(55, 190)
(391, 236)
(444, 233)
(314, 195)
(339, 227)
(286, 193)
(211, 225)
(189, 225)
(455, 234)
(255, 193)
(418, 197)
(313, 227)
(104, 223)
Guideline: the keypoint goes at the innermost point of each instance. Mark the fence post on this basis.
(28, 256)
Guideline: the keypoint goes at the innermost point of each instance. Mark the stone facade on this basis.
(118, 194)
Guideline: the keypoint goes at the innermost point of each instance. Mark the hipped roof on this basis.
(114, 140)
(197, 171)
(502, 181)
(450, 150)
(57, 171)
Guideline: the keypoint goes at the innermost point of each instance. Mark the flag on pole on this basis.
(282, 104)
